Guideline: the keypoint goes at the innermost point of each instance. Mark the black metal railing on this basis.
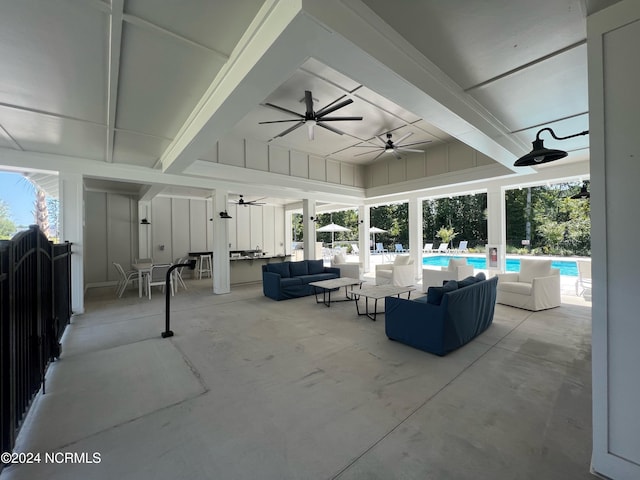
(35, 308)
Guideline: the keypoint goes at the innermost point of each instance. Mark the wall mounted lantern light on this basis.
(583, 193)
(313, 219)
(144, 221)
(539, 154)
(224, 214)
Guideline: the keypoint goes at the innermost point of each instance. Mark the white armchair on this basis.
(458, 269)
(347, 269)
(536, 287)
(399, 273)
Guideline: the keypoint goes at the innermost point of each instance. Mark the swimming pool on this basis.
(567, 267)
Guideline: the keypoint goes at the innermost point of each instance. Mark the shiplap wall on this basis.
(437, 160)
(178, 226)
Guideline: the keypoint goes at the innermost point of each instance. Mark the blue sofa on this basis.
(284, 280)
(446, 318)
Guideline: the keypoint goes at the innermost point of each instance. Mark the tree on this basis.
(446, 234)
(7, 226)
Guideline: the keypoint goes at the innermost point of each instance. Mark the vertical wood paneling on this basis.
(96, 265)
(161, 225)
(279, 231)
(197, 226)
(180, 230)
(243, 226)
(333, 171)
(231, 152)
(118, 235)
(278, 160)
(208, 224)
(268, 230)
(256, 226)
(257, 155)
(233, 226)
(299, 164)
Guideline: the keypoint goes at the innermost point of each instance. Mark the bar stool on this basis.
(205, 266)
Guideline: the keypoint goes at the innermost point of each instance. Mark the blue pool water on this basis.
(567, 267)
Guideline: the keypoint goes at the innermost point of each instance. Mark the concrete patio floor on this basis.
(250, 388)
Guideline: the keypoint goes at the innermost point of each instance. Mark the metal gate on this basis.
(35, 308)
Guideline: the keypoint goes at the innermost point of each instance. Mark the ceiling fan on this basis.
(393, 147)
(311, 117)
(248, 203)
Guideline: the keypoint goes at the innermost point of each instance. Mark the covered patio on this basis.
(252, 388)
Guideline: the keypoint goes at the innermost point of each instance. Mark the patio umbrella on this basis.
(332, 227)
(375, 230)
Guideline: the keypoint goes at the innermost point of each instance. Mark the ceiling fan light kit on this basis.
(312, 118)
(540, 154)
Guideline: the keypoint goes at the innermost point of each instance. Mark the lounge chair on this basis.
(428, 248)
(443, 248)
(584, 277)
(380, 248)
(462, 246)
(535, 287)
(399, 248)
(355, 249)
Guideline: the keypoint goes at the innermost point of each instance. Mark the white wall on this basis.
(614, 103)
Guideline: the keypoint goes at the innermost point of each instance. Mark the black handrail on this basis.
(167, 293)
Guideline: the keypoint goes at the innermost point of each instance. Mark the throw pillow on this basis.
(315, 266)
(297, 269)
(435, 294)
(530, 269)
(281, 269)
(456, 262)
(402, 260)
(467, 281)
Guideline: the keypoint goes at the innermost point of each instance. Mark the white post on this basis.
(364, 215)
(415, 235)
(221, 266)
(496, 225)
(72, 230)
(308, 211)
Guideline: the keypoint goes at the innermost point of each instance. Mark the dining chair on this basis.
(158, 277)
(124, 278)
(178, 273)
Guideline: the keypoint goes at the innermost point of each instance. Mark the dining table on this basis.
(142, 269)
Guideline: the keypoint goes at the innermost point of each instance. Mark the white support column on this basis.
(415, 235)
(220, 235)
(496, 223)
(72, 230)
(364, 215)
(288, 232)
(144, 231)
(308, 211)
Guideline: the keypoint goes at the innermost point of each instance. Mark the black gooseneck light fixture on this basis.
(583, 193)
(540, 154)
(224, 214)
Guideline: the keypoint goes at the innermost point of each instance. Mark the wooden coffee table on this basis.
(376, 292)
(327, 286)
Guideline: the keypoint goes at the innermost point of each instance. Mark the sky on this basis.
(19, 195)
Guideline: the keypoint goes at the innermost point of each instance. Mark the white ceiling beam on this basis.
(261, 61)
(115, 45)
(139, 22)
(148, 192)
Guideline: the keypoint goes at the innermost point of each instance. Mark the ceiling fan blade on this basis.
(332, 108)
(403, 137)
(397, 155)
(336, 119)
(410, 150)
(280, 121)
(289, 130)
(308, 101)
(414, 143)
(282, 109)
(377, 156)
(331, 129)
